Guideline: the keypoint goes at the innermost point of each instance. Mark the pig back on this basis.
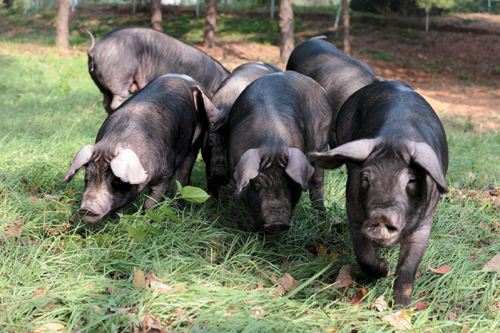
(287, 105)
(148, 53)
(159, 121)
(393, 111)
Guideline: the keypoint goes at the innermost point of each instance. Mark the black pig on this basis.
(127, 59)
(338, 73)
(214, 148)
(273, 123)
(149, 138)
(396, 153)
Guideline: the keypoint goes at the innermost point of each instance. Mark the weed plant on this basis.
(55, 268)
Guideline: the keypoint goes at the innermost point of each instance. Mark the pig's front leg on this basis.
(412, 251)
(157, 189)
(367, 257)
(316, 188)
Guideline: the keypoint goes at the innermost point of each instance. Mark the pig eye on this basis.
(256, 185)
(120, 185)
(365, 182)
(412, 183)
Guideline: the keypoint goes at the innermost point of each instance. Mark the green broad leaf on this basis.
(179, 186)
(129, 217)
(170, 214)
(135, 233)
(152, 231)
(194, 194)
(104, 240)
(153, 216)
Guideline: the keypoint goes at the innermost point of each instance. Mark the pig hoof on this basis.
(276, 228)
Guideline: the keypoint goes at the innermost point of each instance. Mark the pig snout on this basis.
(219, 175)
(382, 229)
(94, 210)
(276, 221)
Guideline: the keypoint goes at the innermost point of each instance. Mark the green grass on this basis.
(50, 108)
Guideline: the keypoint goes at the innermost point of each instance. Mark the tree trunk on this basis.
(345, 18)
(156, 15)
(211, 21)
(286, 29)
(62, 25)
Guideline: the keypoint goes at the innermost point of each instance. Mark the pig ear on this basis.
(206, 109)
(82, 158)
(298, 168)
(128, 168)
(357, 150)
(423, 155)
(247, 168)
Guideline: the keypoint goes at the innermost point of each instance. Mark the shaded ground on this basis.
(456, 66)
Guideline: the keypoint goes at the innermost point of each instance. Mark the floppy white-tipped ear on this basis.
(247, 168)
(298, 168)
(423, 155)
(207, 109)
(357, 150)
(128, 168)
(82, 158)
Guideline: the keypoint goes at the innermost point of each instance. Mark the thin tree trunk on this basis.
(345, 19)
(62, 26)
(286, 29)
(156, 15)
(211, 21)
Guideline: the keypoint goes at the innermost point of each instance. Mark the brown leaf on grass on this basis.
(260, 285)
(344, 278)
(127, 311)
(286, 284)
(224, 270)
(52, 231)
(453, 315)
(114, 291)
(441, 270)
(321, 249)
(152, 325)
(4, 217)
(493, 264)
(380, 304)
(33, 198)
(473, 257)
(50, 327)
(484, 226)
(69, 192)
(19, 223)
(257, 311)
(273, 278)
(401, 320)
(332, 256)
(10, 233)
(139, 278)
(358, 297)
(181, 314)
(420, 306)
(39, 292)
(51, 197)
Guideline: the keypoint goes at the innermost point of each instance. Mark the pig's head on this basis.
(112, 180)
(214, 149)
(388, 189)
(270, 184)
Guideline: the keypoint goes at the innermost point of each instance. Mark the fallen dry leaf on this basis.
(128, 311)
(401, 320)
(257, 311)
(453, 315)
(114, 291)
(51, 197)
(420, 306)
(493, 264)
(260, 285)
(344, 278)
(139, 278)
(333, 256)
(321, 249)
(286, 284)
(152, 325)
(273, 278)
(50, 327)
(358, 297)
(380, 304)
(441, 270)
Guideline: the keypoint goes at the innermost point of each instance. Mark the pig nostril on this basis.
(392, 228)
